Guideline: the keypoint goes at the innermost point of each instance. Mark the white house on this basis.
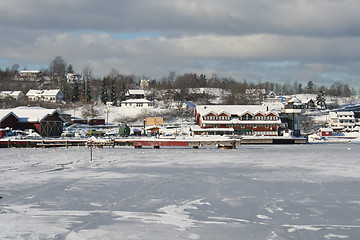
(11, 94)
(53, 95)
(344, 120)
(30, 73)
(135, 94)
(74, 77)
(144, 83)
(137, 103)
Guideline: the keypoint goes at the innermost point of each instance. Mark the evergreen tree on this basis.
(123, 92)
(320, 99)
(88, 97)
(299, 89)
(310, 87)
(113, 97)
(70, 69)
(84, 89)
(104, 91)
(76, 92)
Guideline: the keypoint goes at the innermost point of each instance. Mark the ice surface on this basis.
(254, 191)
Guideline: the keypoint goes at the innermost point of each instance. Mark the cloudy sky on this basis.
(257, 40)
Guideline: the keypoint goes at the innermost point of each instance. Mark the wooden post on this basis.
(91, 158)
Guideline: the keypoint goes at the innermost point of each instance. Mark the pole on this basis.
(91, 158)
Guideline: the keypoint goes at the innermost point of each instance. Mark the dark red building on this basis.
(46, 122)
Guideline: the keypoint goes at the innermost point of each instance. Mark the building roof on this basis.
(136, 91)
(232, 109)
(4, 113)
(34, 114)
(342, 113)
(10, 93)
(30, 71)
(326, 129)
(306, 97)
(294, 100)
(52, 92)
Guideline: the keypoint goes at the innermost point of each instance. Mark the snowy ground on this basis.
(113, 114)
(252, 192)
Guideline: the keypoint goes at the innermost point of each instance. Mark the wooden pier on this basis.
(149, 142)
(157, 143)
(48, 143)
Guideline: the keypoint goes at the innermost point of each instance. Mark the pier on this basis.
(225, 143)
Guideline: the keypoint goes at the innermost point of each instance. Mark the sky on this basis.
(257, 40)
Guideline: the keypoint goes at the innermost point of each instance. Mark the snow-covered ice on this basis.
(254, 191)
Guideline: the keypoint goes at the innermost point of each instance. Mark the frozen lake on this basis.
(252, 192)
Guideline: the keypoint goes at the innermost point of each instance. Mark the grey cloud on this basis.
(230, 17)
(235, 38)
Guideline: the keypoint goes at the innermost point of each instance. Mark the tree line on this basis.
(113, 86)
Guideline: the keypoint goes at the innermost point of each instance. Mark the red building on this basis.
(325, 132)
(8, 119)
(96, 121)
(46, 122)
(79, 121)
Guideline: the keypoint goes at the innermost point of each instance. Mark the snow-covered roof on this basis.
(10, 93)
(274, 106)
(236, 121)
(33, 114)
(343, 113)
(231, 109)
(30, 71)
(326, 129)
(52, 92)
(136, 91)
(5, 113)
(306, 97)
(294, 100)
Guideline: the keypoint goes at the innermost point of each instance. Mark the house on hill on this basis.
(137, 103)
(53, 95)
(308, 99)
(11, 94)
(342, 120)
(136, 99)
(236, 119)
(135, 94)
(30, 75)
(74, 77)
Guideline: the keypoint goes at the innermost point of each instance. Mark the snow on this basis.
(231, 109)
(113, 113)
(32, 114)
(255, 191)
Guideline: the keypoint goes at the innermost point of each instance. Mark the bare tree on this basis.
(87, 72)
(57, 67)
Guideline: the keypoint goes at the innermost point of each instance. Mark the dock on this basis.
(224, 143)
(228, 144)
(34, 143)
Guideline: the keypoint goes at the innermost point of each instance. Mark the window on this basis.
(246, 117)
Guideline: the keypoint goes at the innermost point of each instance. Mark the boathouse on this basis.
(46, 122)
(8, 119)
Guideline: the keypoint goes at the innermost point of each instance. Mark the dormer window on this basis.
(246, 116)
